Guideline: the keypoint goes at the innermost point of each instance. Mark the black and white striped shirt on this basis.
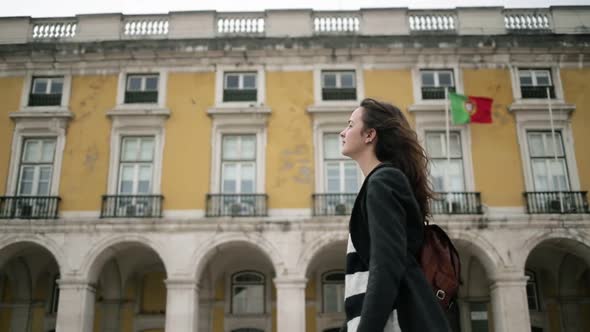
(355, 287)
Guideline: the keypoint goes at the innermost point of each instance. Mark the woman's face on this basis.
(353, 140)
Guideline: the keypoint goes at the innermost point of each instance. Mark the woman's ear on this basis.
(371, 135)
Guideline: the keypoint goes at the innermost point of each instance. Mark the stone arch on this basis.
(481, 248)
(206, 250)
(316, 246)
(104, 250)
(575, 240)
(11, 243)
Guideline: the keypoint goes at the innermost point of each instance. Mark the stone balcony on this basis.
(462, 21)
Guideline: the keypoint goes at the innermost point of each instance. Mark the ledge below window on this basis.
(43, 112)
(428, 107)
(238, 110)
(139, 111)
(525, 105)
(335, 108)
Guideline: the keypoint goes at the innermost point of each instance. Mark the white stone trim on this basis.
(80, 214)
(317, 85)
(289, 213)
(238, 123)
(435, 121)
(538, 119)
(31, 126)
(162, 87)
(555, 78)
(260, 85)
(417, 80)
(130, 123)
(183, 214)
(65, 95)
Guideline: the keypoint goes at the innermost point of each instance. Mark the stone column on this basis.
(75, 312)
(290, 303)
(182, 305)
(510, 307)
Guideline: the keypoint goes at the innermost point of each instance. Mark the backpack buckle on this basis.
(440, 294)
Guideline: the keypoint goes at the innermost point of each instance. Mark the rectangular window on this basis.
(446, 175)
(141, 88)
(531, 291)
(535, 82)
(338, 85)
(238, 164)
(46, 91)
(36, 167)
(434, 82)
(341, 174)
(136, 166)
(549, 167)
(240, 87)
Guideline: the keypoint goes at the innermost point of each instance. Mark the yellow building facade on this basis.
(182, 172)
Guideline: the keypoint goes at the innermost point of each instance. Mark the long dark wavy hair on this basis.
(397, 143)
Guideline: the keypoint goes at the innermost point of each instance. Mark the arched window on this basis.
(247, 293)
(54, 295)
(532, 292)
(333, 291)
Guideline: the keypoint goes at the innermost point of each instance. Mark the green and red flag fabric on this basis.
(467, 109)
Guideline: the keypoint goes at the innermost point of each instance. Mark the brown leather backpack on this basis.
(441, 265)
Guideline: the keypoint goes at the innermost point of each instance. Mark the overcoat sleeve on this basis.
(387, 191)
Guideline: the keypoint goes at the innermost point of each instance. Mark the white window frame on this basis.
(259, 320)
(318, 84)
(239, 162)
(417, 81)
(555, 79)
(133, 125)
(323, 298)
(538, 120)
(28, 88)
(137, 163)
(532, 279)
(36, 128)
(550, 158)
(324, 169)
(37, 167)
(238, 125)
(327, 124)
(425, 134)
(122, 88)
(263, 284)
(260, 85)
(435, 121)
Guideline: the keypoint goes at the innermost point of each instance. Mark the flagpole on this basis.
(448, 134)
(554, 145)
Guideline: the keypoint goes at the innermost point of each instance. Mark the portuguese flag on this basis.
(466, 109)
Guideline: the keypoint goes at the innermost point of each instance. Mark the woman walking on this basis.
(383, 277)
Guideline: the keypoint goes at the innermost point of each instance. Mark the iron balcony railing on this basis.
(335, 204)
(141, 97)
(429, 93)
(237, 205)
(457, 203)
(538, 202)
(131, 206)
(537, 91)
(44, 99)
(29, 207)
